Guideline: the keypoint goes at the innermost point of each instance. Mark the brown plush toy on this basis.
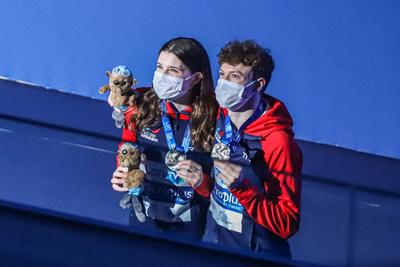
(129, 157)
(119, 85)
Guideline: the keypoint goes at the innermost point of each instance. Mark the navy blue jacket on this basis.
(168, 207)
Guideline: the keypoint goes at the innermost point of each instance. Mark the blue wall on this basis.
(61, 161)
(337, 61)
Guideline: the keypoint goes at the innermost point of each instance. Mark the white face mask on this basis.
(169, 87)
(232, 95)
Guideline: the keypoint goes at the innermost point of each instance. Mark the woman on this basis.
(174, 121)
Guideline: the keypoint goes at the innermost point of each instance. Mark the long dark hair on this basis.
(204, 106)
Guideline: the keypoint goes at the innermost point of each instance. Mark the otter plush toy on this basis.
(129, 157)
(121, 94)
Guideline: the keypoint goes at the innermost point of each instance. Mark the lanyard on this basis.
(169, 135)
(232, 139)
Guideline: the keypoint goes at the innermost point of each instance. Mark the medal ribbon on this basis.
(232, 139)
(169, 135)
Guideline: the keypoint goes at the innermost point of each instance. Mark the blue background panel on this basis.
(324, 230)
(376, 216)
(46, 169)
(42, 240)
(337, 61)
(350, 200)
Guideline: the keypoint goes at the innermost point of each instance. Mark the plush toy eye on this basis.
(124, 152)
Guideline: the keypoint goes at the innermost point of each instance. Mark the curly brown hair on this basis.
(251, 54)
(203, 116)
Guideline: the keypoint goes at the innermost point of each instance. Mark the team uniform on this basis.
(168, 207)
(263, 210)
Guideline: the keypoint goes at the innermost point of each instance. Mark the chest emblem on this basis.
(148, 135)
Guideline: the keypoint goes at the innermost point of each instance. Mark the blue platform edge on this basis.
(58, 153)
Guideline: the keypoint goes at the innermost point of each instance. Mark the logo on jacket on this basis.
(163, 193)
(149, 135)
(226, 199)
(219, 134)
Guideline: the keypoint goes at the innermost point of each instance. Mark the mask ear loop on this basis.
(255, 81)
(248, 85)
(258, 84)
(251, 83)
(188, 78)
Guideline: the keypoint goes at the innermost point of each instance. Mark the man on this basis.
(255, 194)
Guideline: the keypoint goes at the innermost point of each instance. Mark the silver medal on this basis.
(221, 151)
(172, 159)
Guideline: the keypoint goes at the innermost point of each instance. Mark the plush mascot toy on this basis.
(120, 84)
(129, 157)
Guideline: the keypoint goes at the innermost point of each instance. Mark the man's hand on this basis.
(229, 173)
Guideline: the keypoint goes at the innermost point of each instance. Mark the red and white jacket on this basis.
(264, 209)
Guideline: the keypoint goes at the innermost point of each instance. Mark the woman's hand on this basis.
(110, 99)
(191, 172)
(229, 173)
(118, 179)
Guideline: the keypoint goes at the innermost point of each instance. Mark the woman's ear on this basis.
(197, 77)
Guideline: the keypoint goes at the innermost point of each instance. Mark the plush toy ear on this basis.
(108, 74)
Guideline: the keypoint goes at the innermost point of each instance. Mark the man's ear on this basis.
(260, 85)
(108, 74)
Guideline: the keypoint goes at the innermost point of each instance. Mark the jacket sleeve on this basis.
(276, 205)
(128, 134)
(206, 186)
